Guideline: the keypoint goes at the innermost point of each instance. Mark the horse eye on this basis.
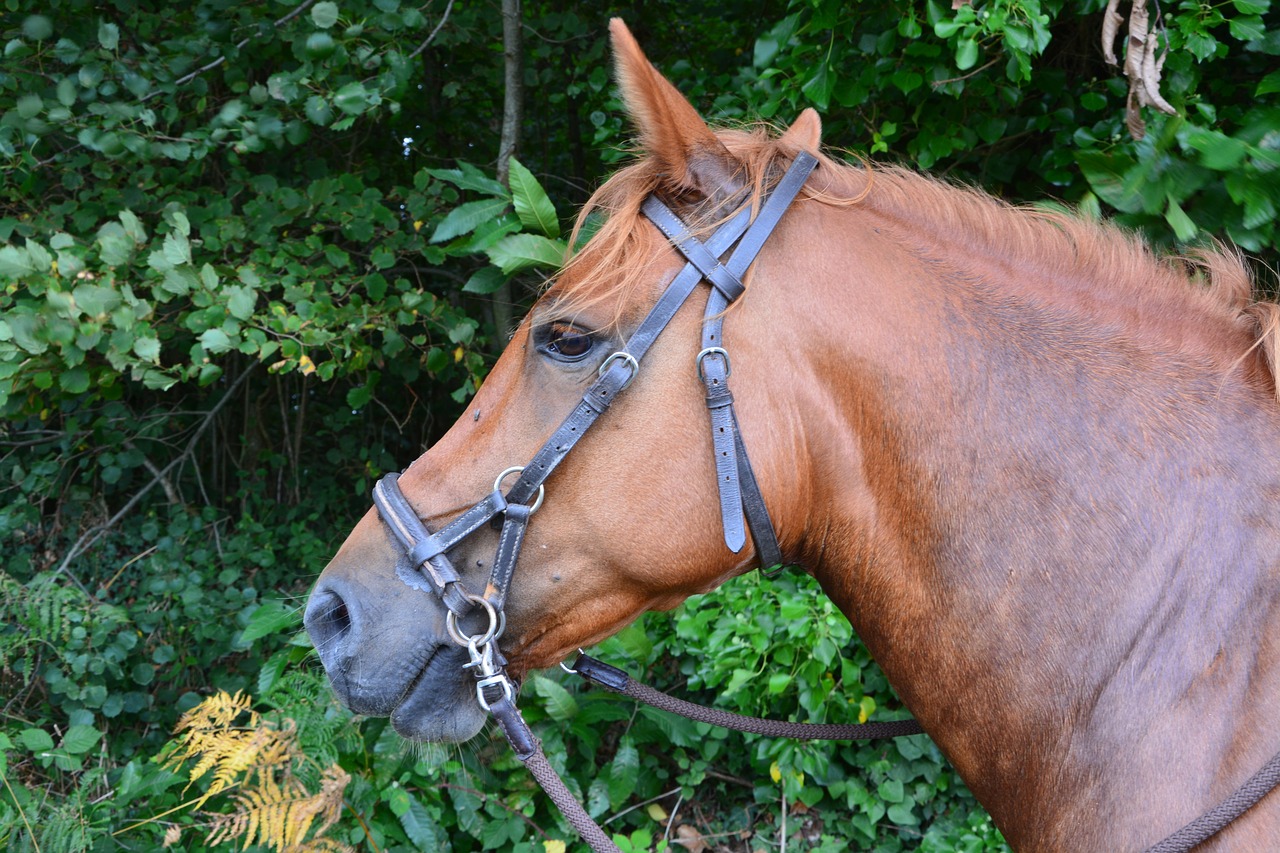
(567, 342)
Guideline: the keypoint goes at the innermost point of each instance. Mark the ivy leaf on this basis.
(531, 202)
(517, 252)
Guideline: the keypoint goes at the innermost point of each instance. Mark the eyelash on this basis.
(566, 342)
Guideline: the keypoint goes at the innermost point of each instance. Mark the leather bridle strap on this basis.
(736, 482)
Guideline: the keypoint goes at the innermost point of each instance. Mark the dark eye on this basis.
(566, 342)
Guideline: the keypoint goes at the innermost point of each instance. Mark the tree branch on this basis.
(89, 537)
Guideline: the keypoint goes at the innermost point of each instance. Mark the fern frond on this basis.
(280, 813)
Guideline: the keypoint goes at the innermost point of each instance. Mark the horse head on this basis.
(631, 520)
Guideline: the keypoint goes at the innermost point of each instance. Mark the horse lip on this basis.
(434, 705)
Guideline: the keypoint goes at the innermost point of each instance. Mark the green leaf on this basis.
(29, 105)
(422, 831)
(466, 217)
(468, 177)
(1182, 226)
(36, 740)
(177, 248)
(531, 202)
(80, 739)
(324, 14)
(517, 252)
(485, 280)
(240, 301)
(818, 87)
(147, 349)
(75, 380)
(624, 772)
(108, 35)
(966, 54)
(15, 263)
(215, 341)
(560, 704)
(1268, 85)
(271, 617)
(352, 99)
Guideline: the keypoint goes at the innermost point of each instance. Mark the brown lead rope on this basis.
(529, 750)
(617, 680)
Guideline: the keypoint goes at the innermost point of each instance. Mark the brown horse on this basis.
(1034, 464)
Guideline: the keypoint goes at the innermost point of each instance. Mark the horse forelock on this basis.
(1203, 300)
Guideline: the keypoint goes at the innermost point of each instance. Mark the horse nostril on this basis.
(327, 619)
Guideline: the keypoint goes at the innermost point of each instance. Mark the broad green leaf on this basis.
(531, 202)
(15, 263)
(1268, 85)
(521, 251)
(80, 739)
(353, 99)
(324, 14)
(108, 35)
(468, 177)
(624, 772)
(966, 54)
(560, 703)
(485, 280)
(819, 86)
(29, 105)
(271, 617)
(215, 341)
(464, 218)
(74, 380)
(115, 244)
(177, 248)
(240, 301)
(1182, 226)
(416, 821)
(36, 740)
(147, 349)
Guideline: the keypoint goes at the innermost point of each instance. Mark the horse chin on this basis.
(440, 706)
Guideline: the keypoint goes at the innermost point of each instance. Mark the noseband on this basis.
(742, 507)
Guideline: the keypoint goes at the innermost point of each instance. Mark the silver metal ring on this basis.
(630, 359)
(496, 624)
(516, 469)
(720, 351)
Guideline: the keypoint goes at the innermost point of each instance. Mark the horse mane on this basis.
(1201, 301)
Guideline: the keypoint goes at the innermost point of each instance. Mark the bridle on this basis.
(742, 511)
(742, 507)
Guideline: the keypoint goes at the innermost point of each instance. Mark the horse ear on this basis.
(805, 132)
(671, 131)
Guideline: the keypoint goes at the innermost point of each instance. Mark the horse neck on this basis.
(1021, 508)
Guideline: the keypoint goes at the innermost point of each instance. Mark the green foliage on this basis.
(247, 259)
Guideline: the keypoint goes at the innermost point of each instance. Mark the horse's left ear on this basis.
(671, 131)
(805, 132)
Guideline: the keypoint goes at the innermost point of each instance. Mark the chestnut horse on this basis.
(1034, 464)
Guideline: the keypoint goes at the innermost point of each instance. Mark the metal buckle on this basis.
(720, 351)
(516, 469)
(622, 355)
(497, 624)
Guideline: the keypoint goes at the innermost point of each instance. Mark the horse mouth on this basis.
(439, 704)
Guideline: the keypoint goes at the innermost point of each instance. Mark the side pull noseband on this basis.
(742, 506)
